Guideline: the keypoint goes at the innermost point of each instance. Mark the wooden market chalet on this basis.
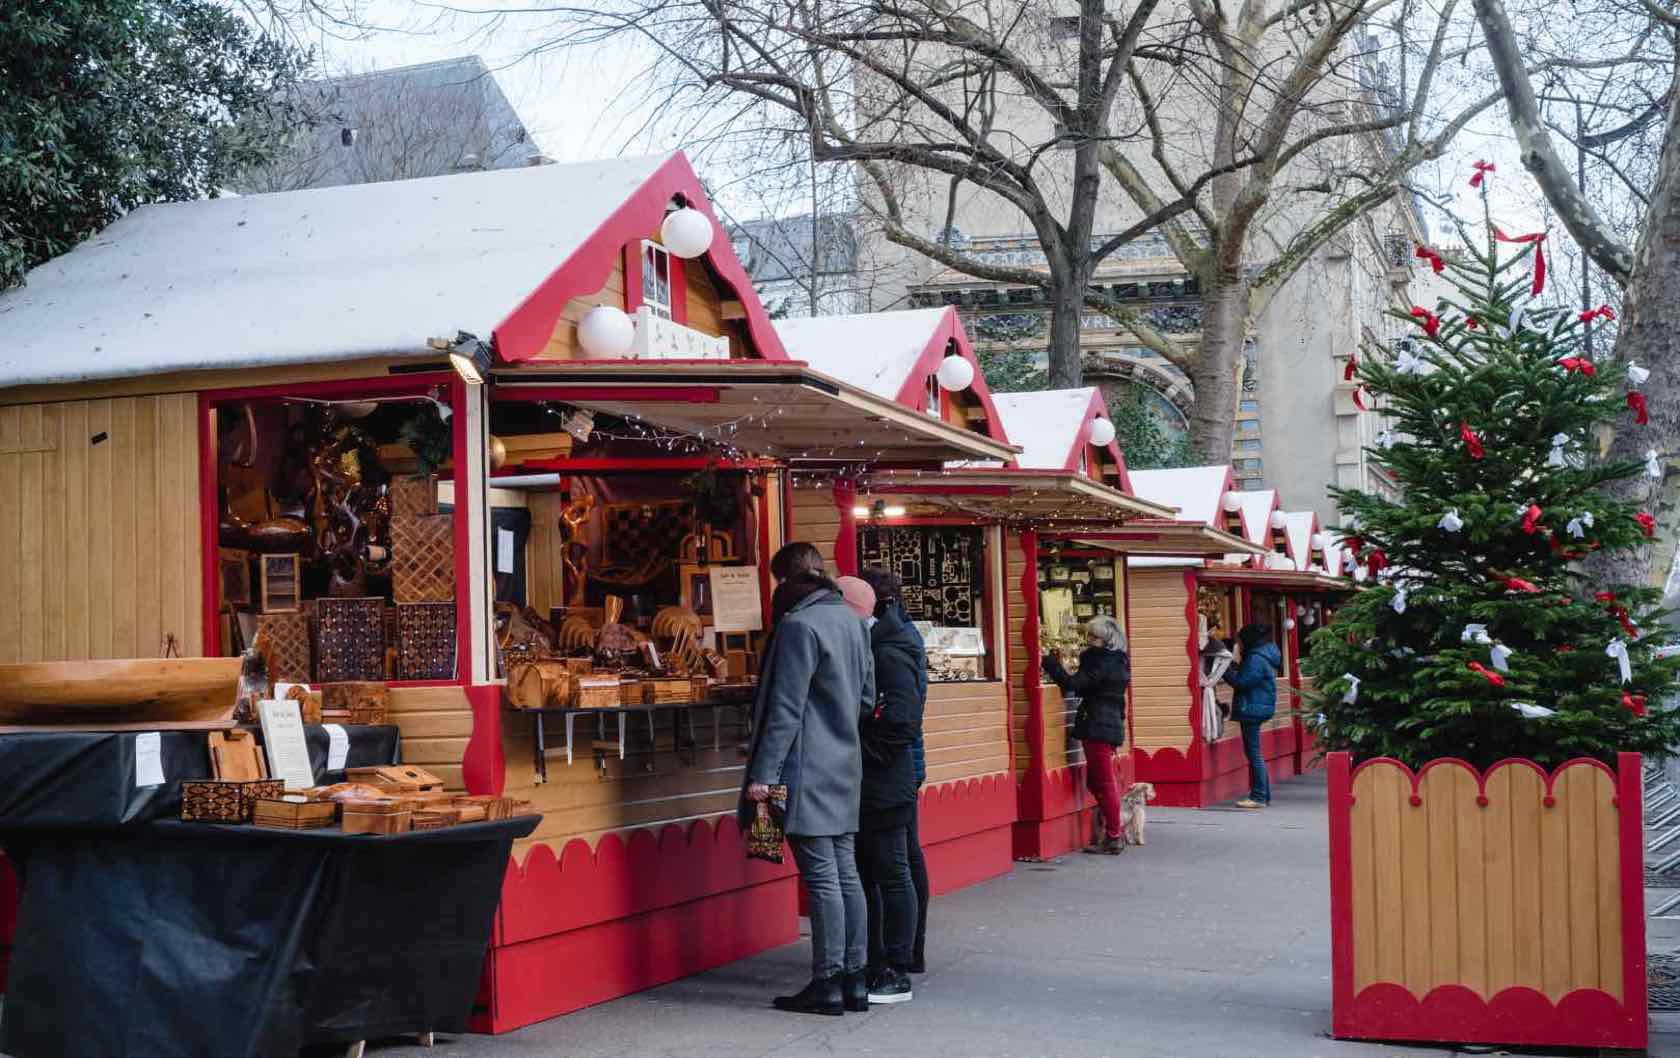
(613, 438)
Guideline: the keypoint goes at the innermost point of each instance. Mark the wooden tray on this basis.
(152, 694)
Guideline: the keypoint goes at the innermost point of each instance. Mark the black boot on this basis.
(891, 985)
(856, 988)
(918, 962)
(821, 996)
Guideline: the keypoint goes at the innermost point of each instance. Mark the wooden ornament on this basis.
(366, 702)
(350, 640)
(423, 558)
(280, 583)
(426, 634)
(412, 496)
(283, 640)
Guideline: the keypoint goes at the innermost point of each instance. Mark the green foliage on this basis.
(111, 104)
(430, 438)
(1418, 698)
(1142, 436)
(715, 497)
(1013, 371)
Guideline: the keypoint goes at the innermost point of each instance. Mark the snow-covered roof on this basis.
(1195, 491)
(1256, 506)
(1297, 530)
(306, 276)
(875, 351)
(1047, 424)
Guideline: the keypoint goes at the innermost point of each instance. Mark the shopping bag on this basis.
(765, 836)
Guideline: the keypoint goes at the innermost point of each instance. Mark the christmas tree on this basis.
(1479, 635)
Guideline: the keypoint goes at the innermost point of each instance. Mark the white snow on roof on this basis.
(1333, 552)
(1297, 529)
(304, 276)
(873, 351)
(1045, 424)
(1195, 491)
(1256, 507)
(1161, 561)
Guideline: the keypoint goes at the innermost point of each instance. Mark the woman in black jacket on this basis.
(889, 734)
(1100, 684)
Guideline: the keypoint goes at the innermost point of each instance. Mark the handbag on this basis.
(767, 833)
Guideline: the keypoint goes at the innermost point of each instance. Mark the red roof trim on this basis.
(951, 330)
(526, 330)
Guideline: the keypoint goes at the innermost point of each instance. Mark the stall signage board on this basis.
(658, 338)
(288, 753)
(737, 605)
(942, 569)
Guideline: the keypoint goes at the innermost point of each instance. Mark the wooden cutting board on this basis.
(234, 755)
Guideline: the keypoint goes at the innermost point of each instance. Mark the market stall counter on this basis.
(182, 940)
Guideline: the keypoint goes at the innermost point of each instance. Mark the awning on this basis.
(1040, 498)
(779, 409)
(1158, 537)
(1277, 579)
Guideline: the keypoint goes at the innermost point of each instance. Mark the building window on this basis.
(1248, 425)
(656, 279)
(1251, 483)
(1248, 446)
(1248, 464)
(1248, 405)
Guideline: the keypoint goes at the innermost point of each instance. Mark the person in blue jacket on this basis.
(1254, 678)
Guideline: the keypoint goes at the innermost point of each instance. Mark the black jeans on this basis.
(884, 864)
(918, 877)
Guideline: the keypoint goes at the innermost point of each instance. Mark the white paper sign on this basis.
(338, 747)
(148, 759)
(737, 605)
(504, 551)
(288, 753)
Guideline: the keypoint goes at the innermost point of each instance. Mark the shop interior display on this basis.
(943, 571)
(1073, 587)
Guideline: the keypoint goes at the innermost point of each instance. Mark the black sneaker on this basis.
(892, 985)
(819, 997)
(856, 992)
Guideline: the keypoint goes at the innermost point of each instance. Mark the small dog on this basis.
(1134, 817)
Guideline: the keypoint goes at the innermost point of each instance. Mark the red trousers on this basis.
(1104, 782)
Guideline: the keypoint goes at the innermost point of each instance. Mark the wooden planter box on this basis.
(1504, 908)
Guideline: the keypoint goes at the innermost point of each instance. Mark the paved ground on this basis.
(1213, 940)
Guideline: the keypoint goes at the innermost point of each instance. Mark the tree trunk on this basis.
(1224, 327)
(1650, 336)
(1067, 305)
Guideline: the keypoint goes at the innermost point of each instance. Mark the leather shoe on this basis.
(821, 996)
(856, 989)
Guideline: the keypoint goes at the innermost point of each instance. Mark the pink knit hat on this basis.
(858, 595)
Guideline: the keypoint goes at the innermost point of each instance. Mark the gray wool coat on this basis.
(818, 681)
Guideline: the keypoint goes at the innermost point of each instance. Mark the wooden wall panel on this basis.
(705, 309)
(436, 723)
(963, 730)
(562, 344)
(1160, 664)
(543, 551)
(1445, 889)
(99, 543)
(815, 519)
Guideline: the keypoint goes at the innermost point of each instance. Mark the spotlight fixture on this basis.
(470, 358)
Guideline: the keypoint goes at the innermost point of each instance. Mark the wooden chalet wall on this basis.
(99, 528)
(436, 724)
(1161, 690)
(703, 300)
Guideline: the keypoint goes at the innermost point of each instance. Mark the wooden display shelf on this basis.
(736, 696)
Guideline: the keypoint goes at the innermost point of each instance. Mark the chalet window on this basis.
(656, 279)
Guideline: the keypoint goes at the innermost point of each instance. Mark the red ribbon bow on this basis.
(1620, 614)
(1359, 398)
(1539, 240)
(1518, 584)
(1471, 441)
(1603, 310)
(1472, 322)
(1531, 519)
(1376, 562)
(1431, 322)
(1482, 169)
(1492, 677)
(1425, 253)
(1605, 597)
(1636, 404)
(1633, 703)
(1647, 523)
(1578, 363)
(1347, 372)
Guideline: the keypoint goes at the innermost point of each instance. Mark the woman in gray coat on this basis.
(818, 681)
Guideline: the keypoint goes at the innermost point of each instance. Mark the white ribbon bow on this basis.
(1399, 600)
(1450, 521)
(1618, 650)
(1579, 525)
(1637, 376)
(1531, 711)
(1385, 438)
(1500, 655)
(1352, 694)
(1653, 463)
(1517, 318)
(1476, 633)
(1558, 442)
(1407, 362)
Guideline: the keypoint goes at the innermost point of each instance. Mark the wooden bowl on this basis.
(146, 694)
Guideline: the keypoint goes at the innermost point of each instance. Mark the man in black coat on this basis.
(889, 734)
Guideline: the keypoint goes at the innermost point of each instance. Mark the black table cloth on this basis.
(179, 940)
(87, 779)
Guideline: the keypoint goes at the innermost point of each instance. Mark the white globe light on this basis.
(955, 374)
(1318, 541)
(606, 332)
(1102, 433)
(687, 232)
(1279, 520)
(1232, 502)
